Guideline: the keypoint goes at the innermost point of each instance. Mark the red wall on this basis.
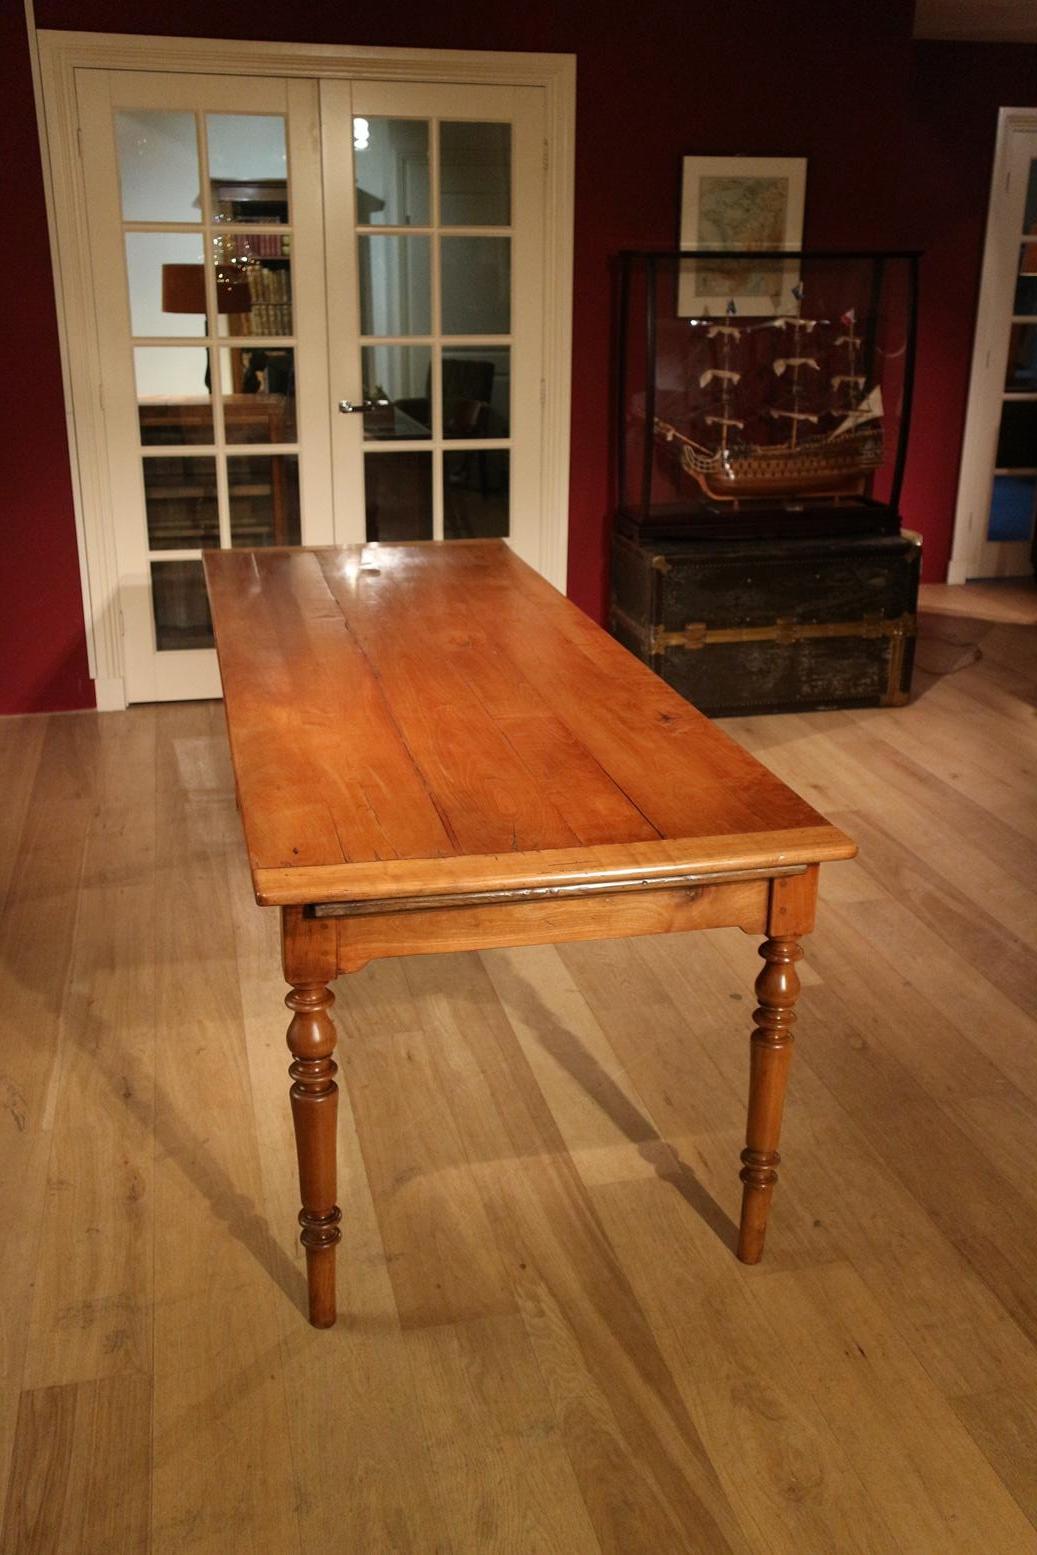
(42, 648)
(955, 93)
(662, 79)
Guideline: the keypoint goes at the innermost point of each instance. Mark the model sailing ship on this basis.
(832, 443)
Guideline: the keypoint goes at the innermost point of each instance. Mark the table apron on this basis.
(320, 948)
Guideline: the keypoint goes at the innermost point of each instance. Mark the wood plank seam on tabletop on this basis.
(284, 723)
(599, 723)
(472, 768)
(516, 706)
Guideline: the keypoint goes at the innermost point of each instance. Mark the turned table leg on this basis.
(776, 989)
(311, 1038)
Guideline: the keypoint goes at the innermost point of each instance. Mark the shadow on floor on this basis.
(569, 1053)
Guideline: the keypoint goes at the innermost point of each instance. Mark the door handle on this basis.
(347, 408)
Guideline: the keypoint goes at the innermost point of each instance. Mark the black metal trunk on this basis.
(769, 626)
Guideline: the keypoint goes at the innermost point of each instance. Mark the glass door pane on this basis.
(475, 174)
(433, 199)
(247, 157)
(398, 496)
(391, 172)
(159, 177)
(1012, 507)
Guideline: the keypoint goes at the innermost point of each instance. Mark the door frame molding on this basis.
(61, 54)
(990, 344)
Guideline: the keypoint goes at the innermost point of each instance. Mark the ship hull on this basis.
(830, 471)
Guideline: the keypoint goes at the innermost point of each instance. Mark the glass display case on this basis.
(764, 393)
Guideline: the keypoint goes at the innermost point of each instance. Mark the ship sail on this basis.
(718, 372)
(783, 363)
(870, 409)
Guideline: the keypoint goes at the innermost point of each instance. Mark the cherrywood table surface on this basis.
(417, 718)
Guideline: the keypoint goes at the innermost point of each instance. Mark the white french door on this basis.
(997, 493)
(319, 311)
(434, 227)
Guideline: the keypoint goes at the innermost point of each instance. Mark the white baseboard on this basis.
(110, 694)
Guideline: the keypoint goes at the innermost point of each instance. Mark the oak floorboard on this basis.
(502, 1479)
(901, 774)
(442, 1261)
(935, 726)
(21, 743)
(37, 927)
(874, 1393)
(940, 1303)
(640, 1464)
(363, 1475)
(949, 1059)
(600, 1114)
(979, 775)
(1003, 1423)
(975, 1005)
(1004, 1127)
(793, 1486)
(988, 860)
(1009, 672)
(220, 1416)
(94, 1302)
(79, 1475)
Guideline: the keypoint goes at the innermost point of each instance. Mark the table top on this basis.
(429, 718)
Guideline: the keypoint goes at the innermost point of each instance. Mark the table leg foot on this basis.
(320, 1280)
(314, 1096)
(777, 988)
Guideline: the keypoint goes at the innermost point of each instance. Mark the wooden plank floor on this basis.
(547, 1343)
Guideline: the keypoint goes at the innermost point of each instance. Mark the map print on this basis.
(741, 213)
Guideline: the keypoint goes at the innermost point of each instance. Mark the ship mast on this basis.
(797, 362)
(728, 377)
(851, 380)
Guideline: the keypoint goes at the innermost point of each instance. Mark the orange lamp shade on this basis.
(183, 291)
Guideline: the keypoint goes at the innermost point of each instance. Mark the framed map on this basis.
(740, 203)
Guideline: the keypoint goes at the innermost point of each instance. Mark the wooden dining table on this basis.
(435, 751)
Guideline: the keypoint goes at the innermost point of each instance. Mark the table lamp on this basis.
(183, 291)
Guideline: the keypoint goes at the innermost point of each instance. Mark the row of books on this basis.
(265, 318)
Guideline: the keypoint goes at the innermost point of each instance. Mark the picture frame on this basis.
(739, 203)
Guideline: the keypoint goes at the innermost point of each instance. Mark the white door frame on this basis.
(61, 54)
(989, 352)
